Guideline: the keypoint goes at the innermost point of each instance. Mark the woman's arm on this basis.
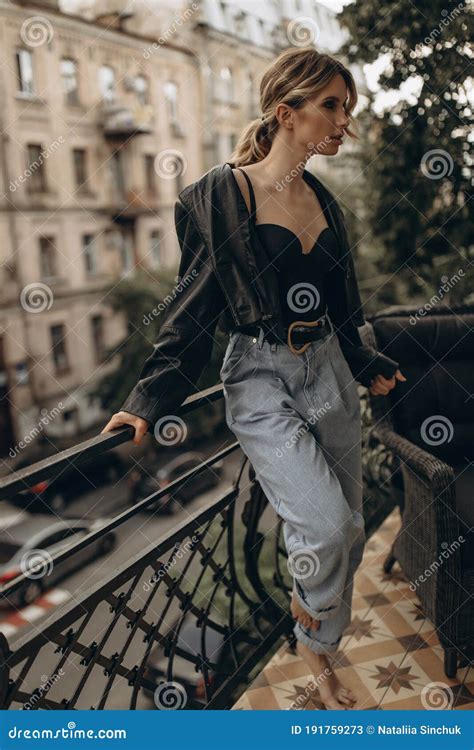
(186, 336)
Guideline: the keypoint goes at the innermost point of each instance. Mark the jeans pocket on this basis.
(231, 345)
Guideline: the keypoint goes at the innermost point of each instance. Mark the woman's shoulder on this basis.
(243, 185)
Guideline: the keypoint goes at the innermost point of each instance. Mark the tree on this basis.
(420, 173)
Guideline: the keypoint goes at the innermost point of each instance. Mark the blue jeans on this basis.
(297, 419)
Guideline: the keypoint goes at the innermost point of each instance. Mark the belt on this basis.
(298, 335)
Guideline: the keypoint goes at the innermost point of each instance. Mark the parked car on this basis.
(55, 493)
(143, 482)
(184, 672)
(34, 541)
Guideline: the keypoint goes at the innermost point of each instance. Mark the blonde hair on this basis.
(296, 75)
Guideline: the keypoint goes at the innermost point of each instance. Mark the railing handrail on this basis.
(116, 521)
(40, 470)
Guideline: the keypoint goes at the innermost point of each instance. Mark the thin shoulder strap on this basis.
(253, 206)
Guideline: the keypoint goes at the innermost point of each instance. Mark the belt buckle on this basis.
(303, 348)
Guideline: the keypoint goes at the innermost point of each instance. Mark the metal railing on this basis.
(127, 639)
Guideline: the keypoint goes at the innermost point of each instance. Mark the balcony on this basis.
(121, 121)
(388, 656)
(192, 618)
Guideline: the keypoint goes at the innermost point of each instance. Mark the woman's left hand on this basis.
(380, 386)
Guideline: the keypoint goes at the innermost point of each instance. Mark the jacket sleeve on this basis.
(364, 361)
(186, 335)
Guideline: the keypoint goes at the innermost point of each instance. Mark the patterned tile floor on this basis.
(390, 655)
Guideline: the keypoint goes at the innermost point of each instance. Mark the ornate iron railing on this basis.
(216, 579)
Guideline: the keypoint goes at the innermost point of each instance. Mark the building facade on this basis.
(108, 111)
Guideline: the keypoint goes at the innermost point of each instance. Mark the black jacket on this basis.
(225, 278)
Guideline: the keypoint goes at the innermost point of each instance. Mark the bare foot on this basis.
(334, 695)
(302, 616)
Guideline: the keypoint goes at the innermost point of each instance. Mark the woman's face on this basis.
(323, 118)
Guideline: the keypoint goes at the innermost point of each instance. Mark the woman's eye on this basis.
(330, 105)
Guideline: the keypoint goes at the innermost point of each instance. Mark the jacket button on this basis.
(254, 341)
(348, 273)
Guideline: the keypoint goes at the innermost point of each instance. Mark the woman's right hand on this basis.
(122, 418)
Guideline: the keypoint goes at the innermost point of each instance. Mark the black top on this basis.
(310, 284)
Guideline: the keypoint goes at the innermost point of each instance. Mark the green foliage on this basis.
(419, 220)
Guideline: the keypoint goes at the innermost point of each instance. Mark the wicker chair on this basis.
(428, 424)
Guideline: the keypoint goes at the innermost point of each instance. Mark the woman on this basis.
(291, 398)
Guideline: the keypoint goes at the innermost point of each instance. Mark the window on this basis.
(150, 174)
(89, 253)
(126, 252)
(97, 323)
(68, 70)
(107, 83)
(141, 90)
(225, 85)
(48, 257)
(58, 348)
(171, 98)
(80, 167)
(36, 168)
(24, 66)
(155, 247)
(116, 173)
